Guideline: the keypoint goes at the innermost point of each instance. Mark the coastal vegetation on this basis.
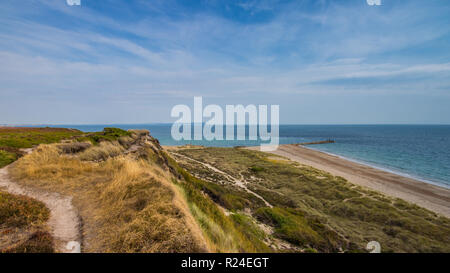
(223, 233)
(7, 158)
(127, 201)
(315, 210)
(13, 139)
(23, 225)
(134, 196)
(108, 134)
(22, 219)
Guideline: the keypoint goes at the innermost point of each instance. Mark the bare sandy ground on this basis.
(429, 196)
(64, 221)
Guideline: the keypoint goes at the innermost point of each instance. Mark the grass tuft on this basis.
(102, 152)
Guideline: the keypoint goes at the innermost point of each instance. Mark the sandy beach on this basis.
(426, 195)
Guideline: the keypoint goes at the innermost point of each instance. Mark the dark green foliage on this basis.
(256, 169)
(108, 134)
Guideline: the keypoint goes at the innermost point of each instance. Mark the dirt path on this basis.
(239, 183)
(64, 221)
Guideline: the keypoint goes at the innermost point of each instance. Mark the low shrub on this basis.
(19, 211)
(74, 147)
(102, 151)
(38, 242)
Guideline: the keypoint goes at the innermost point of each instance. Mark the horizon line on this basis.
(169, 123)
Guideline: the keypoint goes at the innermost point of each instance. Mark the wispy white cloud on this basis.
(83, 54)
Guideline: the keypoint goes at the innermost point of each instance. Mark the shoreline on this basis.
(384, 169)
(430, 196)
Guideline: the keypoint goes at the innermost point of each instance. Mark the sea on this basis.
(418, 151)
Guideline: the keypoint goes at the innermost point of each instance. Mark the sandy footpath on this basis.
(429, 196)
(64, 221)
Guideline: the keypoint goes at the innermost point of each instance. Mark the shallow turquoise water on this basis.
(420, 151)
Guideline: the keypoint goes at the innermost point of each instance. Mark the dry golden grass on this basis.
(103, 151)
(134, 202)
(125, 141)
(127, 204)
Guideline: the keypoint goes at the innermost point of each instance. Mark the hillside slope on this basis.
(122, 190)
(309, 208)
(133, 197)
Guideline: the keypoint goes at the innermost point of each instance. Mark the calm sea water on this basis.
(420, 151)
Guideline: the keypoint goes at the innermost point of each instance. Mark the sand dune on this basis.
(429, 196)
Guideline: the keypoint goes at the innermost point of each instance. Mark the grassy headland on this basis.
(123, 194)
(133, 197)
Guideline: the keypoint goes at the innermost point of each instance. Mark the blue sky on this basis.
(322, 61)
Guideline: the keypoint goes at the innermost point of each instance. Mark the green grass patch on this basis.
(12, 139)
(28, 137)
(307, 232)
(7, 158)
(250, 230)
(108, 134)
(256, 169)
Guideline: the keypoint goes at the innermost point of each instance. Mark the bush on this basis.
(19, 211)
(20, 216)
(256, 169)
(73, 148)
(108, 134)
